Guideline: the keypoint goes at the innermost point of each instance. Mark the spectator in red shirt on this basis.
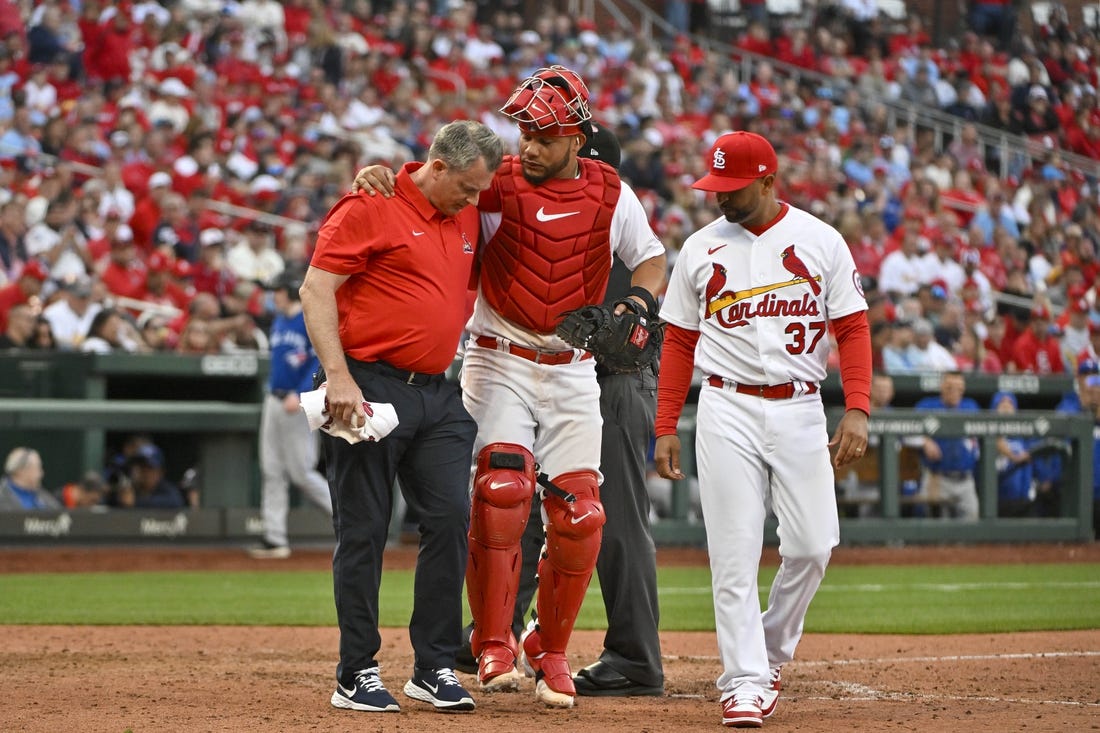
(179, 287)
(107, 52)
(124, 275)
(147, 211)
(158, 271)
(1083, 137)
(1079, 251)
(1036, 350)
(972, 355)
(756, 39)
(172, 233)
(866, 238)
(912, 39)
(999, 338)
(296, 19)
(23, 290)
(797, 50)
(99, 249)
(60, 75)
(211, 274)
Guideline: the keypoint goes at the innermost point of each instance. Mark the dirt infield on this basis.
(279, 679)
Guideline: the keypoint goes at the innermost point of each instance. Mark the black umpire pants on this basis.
(430, 450)
(627, 563)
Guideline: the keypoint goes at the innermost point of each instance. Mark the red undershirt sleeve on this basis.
(853, 341)
(677, 363)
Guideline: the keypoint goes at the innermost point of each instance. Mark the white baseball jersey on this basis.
(761, 304)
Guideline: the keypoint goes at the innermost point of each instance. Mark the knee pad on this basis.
(574, 531)
(504, 484)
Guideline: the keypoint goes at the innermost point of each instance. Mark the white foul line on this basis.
(856, 692)
(895, 660)
(895, 587)
(861, 693)
(946, 658)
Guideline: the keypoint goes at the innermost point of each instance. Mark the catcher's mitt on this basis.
(623, 343)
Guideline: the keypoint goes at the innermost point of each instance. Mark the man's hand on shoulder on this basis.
(374, 179)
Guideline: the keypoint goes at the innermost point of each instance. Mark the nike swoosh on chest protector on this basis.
(541, 215)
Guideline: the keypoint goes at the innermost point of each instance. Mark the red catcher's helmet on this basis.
(552, 101)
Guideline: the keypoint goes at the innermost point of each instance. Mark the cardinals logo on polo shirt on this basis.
(467, 248)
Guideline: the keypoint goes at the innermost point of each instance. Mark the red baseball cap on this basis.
(181, 268)
(35, 269)
(736, 160)
(158, 262)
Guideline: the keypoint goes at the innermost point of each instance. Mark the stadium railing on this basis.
(1072, 524)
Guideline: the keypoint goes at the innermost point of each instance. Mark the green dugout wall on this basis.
(205, 411)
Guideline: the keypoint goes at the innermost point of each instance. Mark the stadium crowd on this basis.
(161, 163)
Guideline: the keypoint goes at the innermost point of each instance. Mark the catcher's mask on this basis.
(552, 101)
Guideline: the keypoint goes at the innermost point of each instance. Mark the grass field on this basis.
(863, 599)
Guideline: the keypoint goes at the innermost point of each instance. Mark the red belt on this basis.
(539, 357)
(763, 391)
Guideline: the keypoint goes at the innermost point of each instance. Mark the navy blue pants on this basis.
(430, 451)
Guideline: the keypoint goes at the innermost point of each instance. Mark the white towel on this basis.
(380, 422)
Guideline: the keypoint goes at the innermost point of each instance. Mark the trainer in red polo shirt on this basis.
(384, 302)
(396, 305)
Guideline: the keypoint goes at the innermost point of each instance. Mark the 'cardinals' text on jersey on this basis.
(762, 304)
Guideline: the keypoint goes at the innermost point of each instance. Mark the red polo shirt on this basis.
(409, 267)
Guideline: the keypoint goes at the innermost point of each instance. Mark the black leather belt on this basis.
(417, 379)
(281, 393)
(954, 475)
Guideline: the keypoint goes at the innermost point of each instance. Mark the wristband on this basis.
(645, 295)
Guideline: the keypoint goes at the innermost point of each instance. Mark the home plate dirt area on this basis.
(276, 679)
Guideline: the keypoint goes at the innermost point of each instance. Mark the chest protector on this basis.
(552, 252)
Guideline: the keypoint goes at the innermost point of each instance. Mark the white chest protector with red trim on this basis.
(552, 252)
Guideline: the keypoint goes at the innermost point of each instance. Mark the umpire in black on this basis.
(630, 664)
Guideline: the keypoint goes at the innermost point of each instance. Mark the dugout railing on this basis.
(1073, 522)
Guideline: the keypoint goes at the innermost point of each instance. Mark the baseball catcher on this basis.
(623, 342)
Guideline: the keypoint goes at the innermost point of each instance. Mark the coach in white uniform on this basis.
(749, 303)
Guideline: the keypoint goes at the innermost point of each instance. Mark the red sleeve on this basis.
(677, 362)
(853, 341)
(345, 237)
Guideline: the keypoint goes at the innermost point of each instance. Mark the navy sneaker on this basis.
(439, 687)
(366, 693)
